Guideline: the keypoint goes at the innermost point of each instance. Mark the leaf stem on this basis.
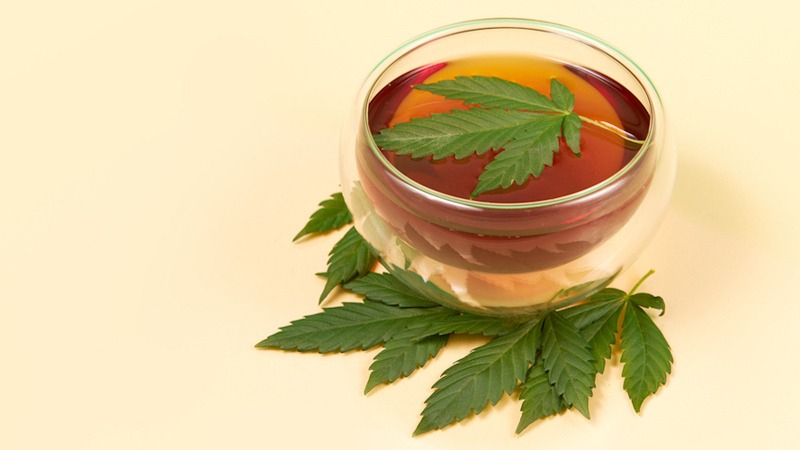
(641, 280)
(614, 129)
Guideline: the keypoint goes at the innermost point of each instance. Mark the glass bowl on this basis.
(507, 258)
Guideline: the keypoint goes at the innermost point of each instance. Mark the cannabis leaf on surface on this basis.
(551, 360)
(331, 215)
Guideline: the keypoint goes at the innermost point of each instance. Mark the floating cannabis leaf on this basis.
(493, 92)
(550, 359)
(521, 123)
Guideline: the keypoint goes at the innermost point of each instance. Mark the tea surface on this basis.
(602, 153)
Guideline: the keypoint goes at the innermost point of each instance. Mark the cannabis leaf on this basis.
(331, 215)
(494, 92)
(551, 358)
(465, 323)
(568, 361)
(351, 257)
(562, 97)
(402, 355)
(645, 354)
(459, 133)
(481, 378)
(598, 322)
(518, 121)
(539, 398)
(388, 289)
(571, 130)
(350, 326)
(524, 156)
(648, 301)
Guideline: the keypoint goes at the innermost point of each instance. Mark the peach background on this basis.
(157, 157)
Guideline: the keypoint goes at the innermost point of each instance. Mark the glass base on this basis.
(485, 293)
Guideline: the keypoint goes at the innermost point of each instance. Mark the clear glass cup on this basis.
(506, 259)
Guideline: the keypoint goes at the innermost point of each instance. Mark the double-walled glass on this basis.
(506, 258)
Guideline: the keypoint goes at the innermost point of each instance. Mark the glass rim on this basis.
(653, 100)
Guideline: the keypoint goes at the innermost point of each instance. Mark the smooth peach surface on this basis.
(157, 158)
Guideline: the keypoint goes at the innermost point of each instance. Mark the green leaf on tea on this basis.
(351, 257)
(481, 378)
(331, 215)
(539, 398)
(520, 123)
(645, 354)
(562, 97)
(572, 132)
(565, 101)
(493, 92)
(568, 361)
(525, 156)
(459, 133)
